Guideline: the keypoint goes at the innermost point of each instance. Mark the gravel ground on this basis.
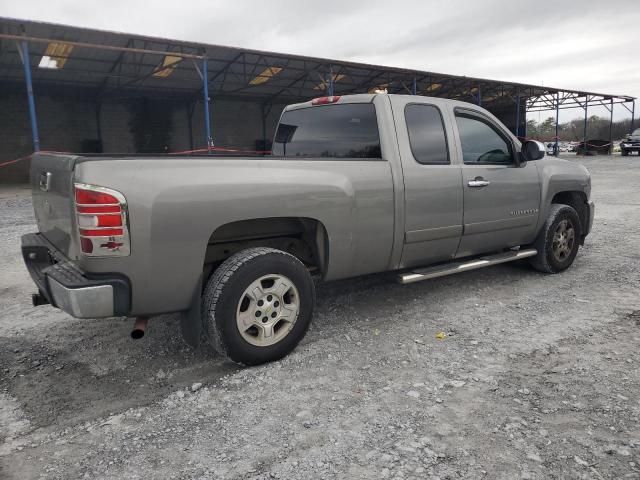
(536, 376)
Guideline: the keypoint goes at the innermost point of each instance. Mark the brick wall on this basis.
(235, 123)
(15, 135)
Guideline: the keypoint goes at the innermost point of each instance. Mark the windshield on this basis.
(636, 132)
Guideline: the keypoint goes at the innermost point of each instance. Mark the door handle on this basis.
(478, 182)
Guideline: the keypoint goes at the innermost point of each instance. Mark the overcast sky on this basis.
(576, 44)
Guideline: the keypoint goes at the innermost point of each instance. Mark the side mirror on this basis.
(532, 150)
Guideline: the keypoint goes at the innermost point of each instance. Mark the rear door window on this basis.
(426, 134)
(329, 131)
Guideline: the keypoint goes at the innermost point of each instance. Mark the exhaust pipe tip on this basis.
(139, 328)
(137, 334)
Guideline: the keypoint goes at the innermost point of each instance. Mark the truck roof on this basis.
(368, 98)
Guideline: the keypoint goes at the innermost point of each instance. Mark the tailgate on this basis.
(52, 190)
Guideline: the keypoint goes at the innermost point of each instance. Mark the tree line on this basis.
(597, 128)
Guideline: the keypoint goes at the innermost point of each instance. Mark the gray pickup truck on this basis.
(355, 185)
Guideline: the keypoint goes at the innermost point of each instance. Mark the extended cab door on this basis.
(501, 195)
(432, 181)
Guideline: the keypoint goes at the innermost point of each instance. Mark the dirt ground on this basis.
(537, 376)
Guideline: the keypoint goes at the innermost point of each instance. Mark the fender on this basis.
(559, 176)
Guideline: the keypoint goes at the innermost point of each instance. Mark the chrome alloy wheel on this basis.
(564, 238)
(267, 310)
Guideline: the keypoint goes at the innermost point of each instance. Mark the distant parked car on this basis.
(631, 143)
(551, 148)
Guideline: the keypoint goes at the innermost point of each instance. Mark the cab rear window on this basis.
(427, 136)
(329, 131)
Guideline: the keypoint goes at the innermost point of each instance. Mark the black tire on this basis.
(226, 288)
(547, 260)
(624, 152)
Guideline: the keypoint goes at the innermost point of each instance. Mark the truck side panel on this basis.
(176, 204)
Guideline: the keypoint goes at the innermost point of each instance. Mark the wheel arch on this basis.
(303, 237)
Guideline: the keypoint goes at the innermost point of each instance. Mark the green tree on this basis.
(573, 130)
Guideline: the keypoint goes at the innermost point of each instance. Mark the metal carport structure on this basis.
(110, 64)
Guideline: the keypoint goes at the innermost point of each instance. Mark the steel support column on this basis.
(205, 90)
(633, 114)
(190, 108)
(414, 87)
(556, 150)
(611, 127)
(330, 83)
(32, 104)
(586, 107)
(518, 115)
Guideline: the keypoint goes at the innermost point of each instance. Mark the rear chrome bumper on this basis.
(83, 302)
(70, 289)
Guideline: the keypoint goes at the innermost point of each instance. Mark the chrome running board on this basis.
(465, 266)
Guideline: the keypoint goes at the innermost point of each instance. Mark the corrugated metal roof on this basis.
(232, 71)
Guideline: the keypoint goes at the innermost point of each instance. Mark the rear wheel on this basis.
(558, 241)
(258, 305)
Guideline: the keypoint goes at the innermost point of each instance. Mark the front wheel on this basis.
(558, 241)
(258, 305)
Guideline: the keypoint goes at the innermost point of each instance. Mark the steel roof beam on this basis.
(94, 45)
(235, 73)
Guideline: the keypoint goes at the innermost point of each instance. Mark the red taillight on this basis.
(100, 209)
(91, 197)
(86, 244)
(325, 100)
(109, 220)
(101, 221)
(107, 232)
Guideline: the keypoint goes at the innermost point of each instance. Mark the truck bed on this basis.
(176, 203)
(52, 177)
